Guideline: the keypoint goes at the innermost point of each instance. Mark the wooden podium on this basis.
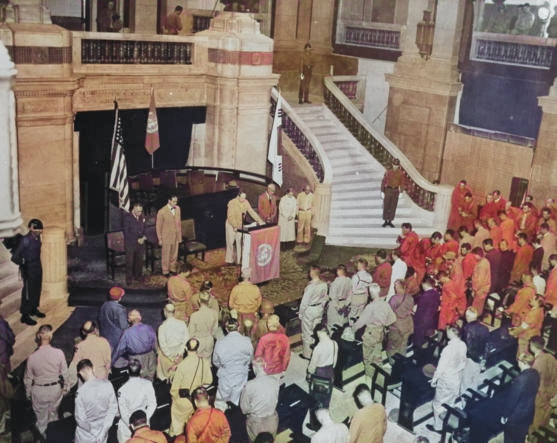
(261, 252)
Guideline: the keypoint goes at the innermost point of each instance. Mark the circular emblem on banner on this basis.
(264, 254)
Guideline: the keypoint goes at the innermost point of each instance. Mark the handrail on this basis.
(251, 176)
(420, 190)
(305, 141)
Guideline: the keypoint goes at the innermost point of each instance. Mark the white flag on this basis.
(273, 156)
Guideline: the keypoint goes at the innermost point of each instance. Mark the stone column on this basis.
(55, 266)
(423, 93)
(32, 11)
(10, 217)
(238, 93)
(543, 177)
(322, 208)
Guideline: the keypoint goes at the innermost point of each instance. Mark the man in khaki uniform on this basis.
(172, 337)
(245, 298)
(169, 233)
(305, 214)
(45, 379)
(237, 208)
(180, 292)
(204, 325)
(95, 348)
(191, 373)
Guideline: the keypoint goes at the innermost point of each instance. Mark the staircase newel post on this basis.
(322, 208)
(442, 207)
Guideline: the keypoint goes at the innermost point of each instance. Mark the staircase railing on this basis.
(433, 198)
(305, 142)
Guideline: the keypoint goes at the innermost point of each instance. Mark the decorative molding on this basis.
(40, 55)
(222, 56)
(372, 37)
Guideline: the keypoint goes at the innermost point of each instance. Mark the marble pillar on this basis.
(423, 93)
(10, 217)
(239, 79)
(32, 11)
(55, 266)
(543, 177)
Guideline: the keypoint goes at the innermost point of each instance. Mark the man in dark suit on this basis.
(134, 242)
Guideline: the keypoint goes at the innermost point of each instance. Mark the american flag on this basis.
(119, 171)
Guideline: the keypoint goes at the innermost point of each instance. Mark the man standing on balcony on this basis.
(173, 24)
(306, 69)
(391, 187)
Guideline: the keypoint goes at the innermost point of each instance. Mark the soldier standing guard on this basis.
(391, 188)
(28, 256)
(306, 69)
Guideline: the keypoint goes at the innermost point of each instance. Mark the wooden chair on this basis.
(115, 251)
(190, 244)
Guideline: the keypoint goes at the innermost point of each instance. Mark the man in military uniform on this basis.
(311, 308)
(391, 187)
(113, 319)
(173, 335)
(45, 379)
(245, 298)
(232, 357)
(28, 256)
(95, 406)
(139, 341)
(180, 292)
(237, 209)
(305, 213)
(191, 373)
(259, 400)
(306, 70)
(95, 348)
(136, 394)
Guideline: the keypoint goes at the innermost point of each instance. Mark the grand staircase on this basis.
(356, 204)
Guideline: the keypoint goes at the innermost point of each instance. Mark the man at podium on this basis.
(237, 209)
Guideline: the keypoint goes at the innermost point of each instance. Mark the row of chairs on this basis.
(116, 251)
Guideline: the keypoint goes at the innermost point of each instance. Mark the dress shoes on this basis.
(384, 225)
(37, 313)
(391, 224)
(28, 320)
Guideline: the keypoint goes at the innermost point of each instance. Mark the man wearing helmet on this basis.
(28, 256)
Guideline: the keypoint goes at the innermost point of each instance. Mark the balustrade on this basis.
(373, 37)
(424, 198)
(98, 51)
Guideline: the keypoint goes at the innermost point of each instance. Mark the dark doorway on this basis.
(95, 128)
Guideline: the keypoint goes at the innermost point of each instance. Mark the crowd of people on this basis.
(493, 260)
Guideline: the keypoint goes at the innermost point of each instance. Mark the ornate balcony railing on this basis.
(518, 50)
(304, 140)
(426, 195)
(372, 37)
(117, 52)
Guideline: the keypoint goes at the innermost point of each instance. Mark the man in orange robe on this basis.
(481, 280)
(546, 217)
(383, 271)
(467, 260)
(494, 231)
(468, 212)
(551, 286)
(488, 210)
(409, 250)
(521, 305)
(453, 301)
(528, 223)
(451, 244)
(531, 325)
(457, 201)
(523, 258)
(180, 292)
(508, 230)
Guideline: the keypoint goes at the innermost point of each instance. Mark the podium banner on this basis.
(265, 254)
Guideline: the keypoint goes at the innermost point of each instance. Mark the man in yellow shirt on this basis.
(245, 298)
(237, 208)
(305, 214)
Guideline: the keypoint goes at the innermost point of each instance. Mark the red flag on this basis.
(265, 254)
(152, 142)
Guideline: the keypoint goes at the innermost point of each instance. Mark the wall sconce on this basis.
(424, 35)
